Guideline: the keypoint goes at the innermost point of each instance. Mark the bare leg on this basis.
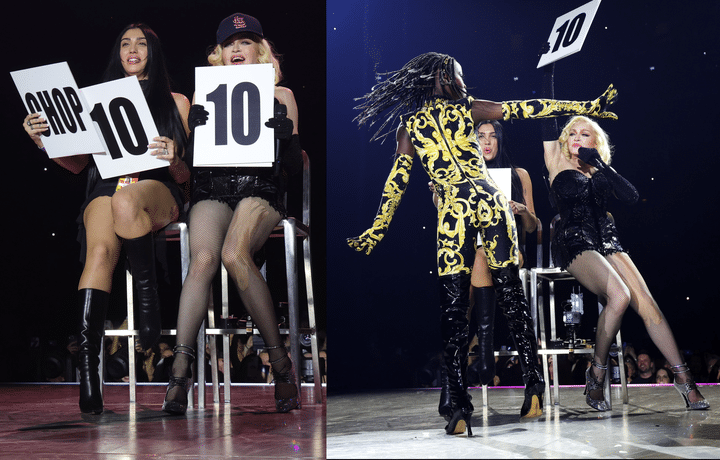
(103, 246)
(138, 210)
(143, 207)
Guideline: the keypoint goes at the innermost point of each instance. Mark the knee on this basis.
(239, 262)
(203, 264)
(102, 256)
(125, 207)
(618, 298)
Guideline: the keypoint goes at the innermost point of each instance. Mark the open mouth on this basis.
(237, 60)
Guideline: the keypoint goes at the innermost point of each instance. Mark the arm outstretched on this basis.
(395, 187)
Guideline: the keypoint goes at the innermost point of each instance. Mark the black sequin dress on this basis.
(584, 224)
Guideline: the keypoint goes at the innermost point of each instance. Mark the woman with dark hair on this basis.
(233, 211)
(126, 211)
(437, 123)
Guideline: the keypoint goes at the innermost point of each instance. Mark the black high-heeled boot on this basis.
(176, 400)
(286, 393)
(141, 256)
(93, 303)
(454, 295)
(484, 319)
(511, 299)
(445, 405)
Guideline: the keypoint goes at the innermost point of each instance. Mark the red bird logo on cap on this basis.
(239, 22)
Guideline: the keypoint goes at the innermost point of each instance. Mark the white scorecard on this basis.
(569, 32)
(239, 99)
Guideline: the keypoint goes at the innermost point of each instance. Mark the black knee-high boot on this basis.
(511, 298)
(483, 314)
(141, 256)
(93, 303)
(454, 295)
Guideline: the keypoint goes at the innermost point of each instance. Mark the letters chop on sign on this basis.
(52, 91)
(239, 99)
(122, 115)
(569, 32)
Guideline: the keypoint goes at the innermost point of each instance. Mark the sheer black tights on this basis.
(219, 234)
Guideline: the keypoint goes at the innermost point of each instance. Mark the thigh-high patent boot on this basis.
(454, 295)
(511, 299)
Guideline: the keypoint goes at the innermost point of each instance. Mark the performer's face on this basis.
(134, 53)
(581, 134)
(459, 79)
(487, 140)
(443, 84)
(240, 49)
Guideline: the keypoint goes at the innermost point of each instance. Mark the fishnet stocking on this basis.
(208, 224)
(251, 225)
(617, 282)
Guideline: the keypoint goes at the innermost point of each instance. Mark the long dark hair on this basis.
(405, 90)
(503, 159)
(156, 87)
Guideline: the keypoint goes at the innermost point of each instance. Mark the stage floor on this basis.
(405, 424)
(44, 421)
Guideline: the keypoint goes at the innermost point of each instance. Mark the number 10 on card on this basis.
(569, 32)
(239, 100)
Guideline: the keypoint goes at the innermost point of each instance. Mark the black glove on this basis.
(283, 126)
(291, 155)
(591, 157)
(197, 116)
(623, 189)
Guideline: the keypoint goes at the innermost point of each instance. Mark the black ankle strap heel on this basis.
(178, 402)
(286, 394)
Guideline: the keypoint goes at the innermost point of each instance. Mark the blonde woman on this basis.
(586, 243)
(233, 211)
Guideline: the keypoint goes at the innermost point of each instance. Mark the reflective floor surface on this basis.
(405, 424)
(43, 421)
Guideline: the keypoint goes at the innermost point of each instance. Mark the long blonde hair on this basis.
(265, 51)
(602, 140)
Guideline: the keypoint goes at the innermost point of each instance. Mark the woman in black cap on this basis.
(233, 211)
(127, 210)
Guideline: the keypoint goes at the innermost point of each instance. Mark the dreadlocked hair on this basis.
(405, 90)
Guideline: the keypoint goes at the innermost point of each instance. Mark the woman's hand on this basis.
(165, 149)
(517, 208)
(35, 125)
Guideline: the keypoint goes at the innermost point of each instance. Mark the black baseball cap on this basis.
(236, 23)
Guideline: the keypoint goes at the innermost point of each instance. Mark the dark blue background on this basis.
(383, 308)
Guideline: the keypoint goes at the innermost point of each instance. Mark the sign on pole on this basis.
(239, 99)
(52, 91)
(122, 115)
(569, 32)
